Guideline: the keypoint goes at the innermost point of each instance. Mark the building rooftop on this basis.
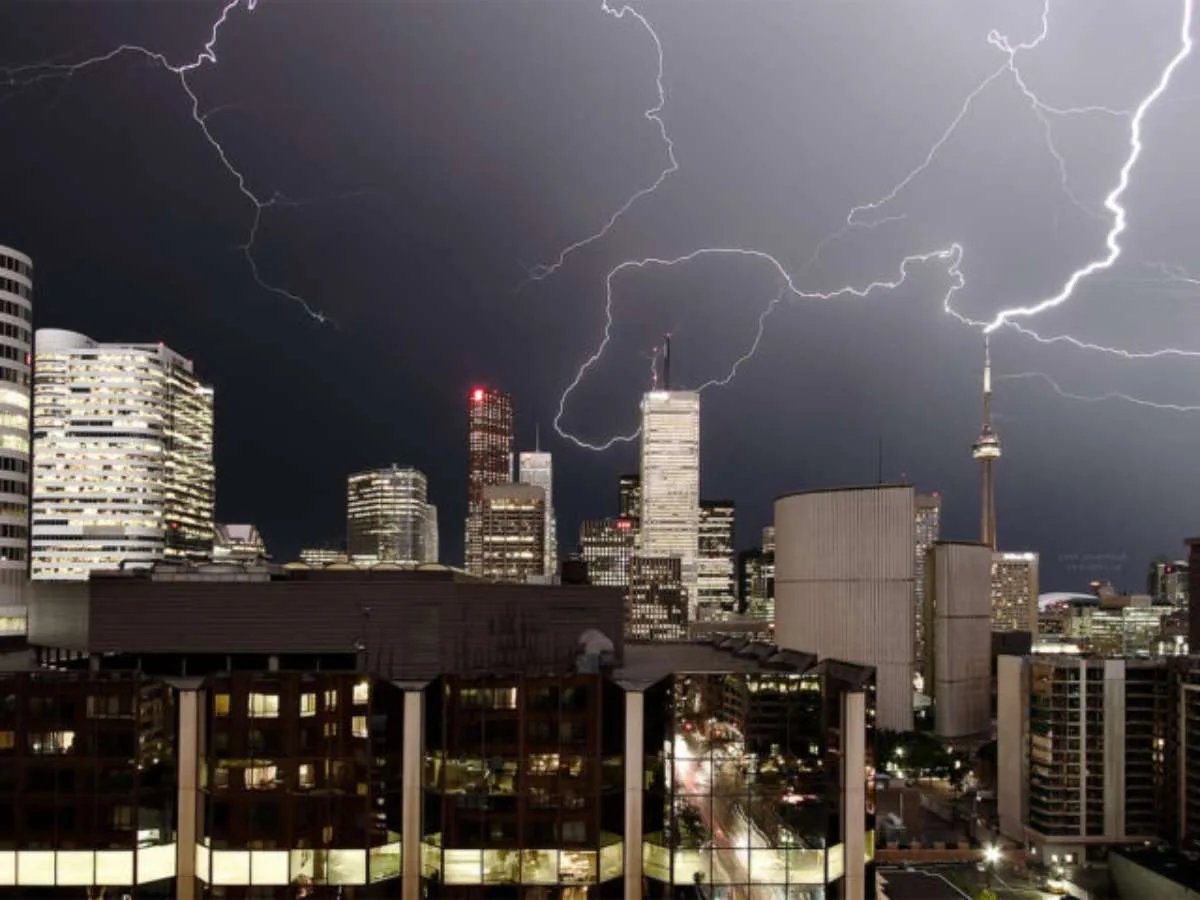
(1181, 868)
(646, 663)
(401, 624)
(890, 486)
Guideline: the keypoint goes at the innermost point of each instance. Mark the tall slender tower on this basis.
(987, 451)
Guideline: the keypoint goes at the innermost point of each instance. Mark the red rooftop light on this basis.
(477, 395)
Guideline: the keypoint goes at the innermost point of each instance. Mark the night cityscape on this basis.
(571, 451)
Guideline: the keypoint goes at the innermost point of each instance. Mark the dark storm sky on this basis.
(487, 134)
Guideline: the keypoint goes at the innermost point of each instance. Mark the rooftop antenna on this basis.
(667, 361)
(654, 369)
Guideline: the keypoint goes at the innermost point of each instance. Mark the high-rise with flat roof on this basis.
(122, 457)
(386, 516)
(536, 467)
(489, 447)
(1015, 592)
(1097, 752)
(717, 579)
(512, 533)
(669, 525)
(607, 547)
(16, 316)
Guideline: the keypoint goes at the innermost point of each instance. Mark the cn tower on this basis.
(987, 451)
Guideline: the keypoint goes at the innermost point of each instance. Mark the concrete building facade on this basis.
(844, 585)
(959, 638)
(1098, 752)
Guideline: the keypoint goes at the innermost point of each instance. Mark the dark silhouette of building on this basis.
(284, 733)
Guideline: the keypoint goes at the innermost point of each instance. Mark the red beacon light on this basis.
(477, 395)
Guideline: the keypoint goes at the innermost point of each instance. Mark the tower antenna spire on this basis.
(987, 451)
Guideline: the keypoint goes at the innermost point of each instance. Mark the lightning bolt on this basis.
(653, 114)
(869, 216)
(951, 256)
(29, 75)
(1112, 202)
(1098, 398)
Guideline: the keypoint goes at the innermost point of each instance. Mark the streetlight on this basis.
(991, 856)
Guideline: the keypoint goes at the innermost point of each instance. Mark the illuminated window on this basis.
(260, 778)
(264, 706)
(308, 704)
(331, 729)
(362, 693)
(358, 726)
(220, 704)
(331, 698)
(52, 742)
(8, 740)
(306, 776)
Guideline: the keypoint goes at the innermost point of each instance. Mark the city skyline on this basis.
(192, 292)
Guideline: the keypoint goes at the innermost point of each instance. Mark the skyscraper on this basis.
(670, 484)
(122, 457)
(928, 530)
(717, 564)
(512, 532)
(1015, 592)
(489, 444)
(16, 316)
(537, 468)
(987, 451)
(386, 516)
(607, 547)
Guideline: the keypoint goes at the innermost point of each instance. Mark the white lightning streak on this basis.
(654, 114)
(1103, 348)
(1099, 398)
(1113, 201)
(27, 75)
(952, 256)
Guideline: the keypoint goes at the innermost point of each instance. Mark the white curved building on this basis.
(123, 457)
(16, 318)
(845, 585)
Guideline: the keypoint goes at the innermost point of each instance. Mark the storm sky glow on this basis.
(661, 192)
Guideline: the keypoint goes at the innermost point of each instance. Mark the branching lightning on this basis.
(1113, 201)
(869, 216)
(654, 114)
(951, 256)
(1098, 398)
(29, 75)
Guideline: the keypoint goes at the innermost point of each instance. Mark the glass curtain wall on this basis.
(524, 788)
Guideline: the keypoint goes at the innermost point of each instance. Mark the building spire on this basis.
(987, 451)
